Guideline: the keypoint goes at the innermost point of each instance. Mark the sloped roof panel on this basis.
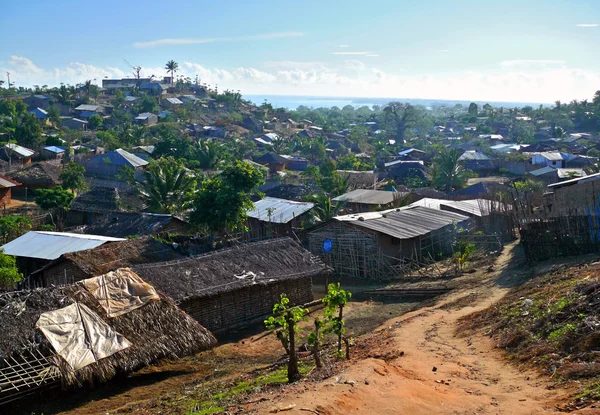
(274, 210)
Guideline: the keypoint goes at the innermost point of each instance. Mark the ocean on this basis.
(292, 102)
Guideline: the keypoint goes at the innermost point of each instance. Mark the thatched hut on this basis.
(28, 361)
(36, 176)
(93, 205)
(233, 286)
(76, 266)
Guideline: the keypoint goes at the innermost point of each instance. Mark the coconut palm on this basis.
(448, 173)
(208, 153)
(168, 186)
(324, 208)
(172, 67)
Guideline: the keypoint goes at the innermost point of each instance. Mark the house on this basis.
(146, 150)
(72, 123)
(401, 170)
(86, 110)
(53, 152)
(359, 179)
(154, 88)
(253, 124)
(480, 190)
(90, 206)
(171, 102)
(272, 216)
(6, 186)
(41, 115)
(37, 101)
(127, 224)
(473, 155)
(213, 131)
(35, 176)
(70, 336)
(146, 118)
(365, 200)
(235, 286)
(124, 84)
(192, 99)
(72, 267)
(374, 245)
(17, 155)
(164, 114)
(550, 158)
(412, 154)
(36, 249)
(295, 163)
(546, 174)
(509, 148)
(111, 163)
(273, 161)
(477, 162)
(294, 192)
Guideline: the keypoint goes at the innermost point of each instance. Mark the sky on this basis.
(514, 51)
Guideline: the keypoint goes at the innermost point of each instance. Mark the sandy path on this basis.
(471, 376)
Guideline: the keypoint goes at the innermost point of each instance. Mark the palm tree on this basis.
(324, 208)
(448, 173)
(167, 187)
(172, 67)
(208, 153)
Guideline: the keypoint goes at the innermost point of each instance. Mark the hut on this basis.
(273, 161)
(16, 154)
(127, 224)
(34, 355)
(378, 245)
(93, 205)
(36, 176)
(72, 267)
(110, 164)
(359, 179)
(365, 200)
(6, 186)
(230, 287)
(272, 216)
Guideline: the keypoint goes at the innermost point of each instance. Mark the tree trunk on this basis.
(339, 349)
(293, 372)
(347, 342)
(316, 348)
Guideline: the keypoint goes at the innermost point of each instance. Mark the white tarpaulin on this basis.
(120, 291)
(79, 335)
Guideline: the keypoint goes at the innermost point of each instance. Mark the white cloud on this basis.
(351, 53)
(350, 77)
(531, 62)
(187, 41)
(372, 55)
(344, 46)
(587, 25)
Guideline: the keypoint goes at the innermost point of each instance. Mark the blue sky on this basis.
(488, 50)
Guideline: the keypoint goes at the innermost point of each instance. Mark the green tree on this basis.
(126, 174)
(172, 67)
(208, 154)
(54, 114)
(400, 117)
(448, 173)
(224, 199)
(285, 321)
(9, 273)
(473, 109)
(119, 98)
(335, 301)
(147, 104)
(168, 186)
(95, 121)
(314, 339)
(13, 226)
(29, 132)
(324, 208)
(72, 177)
(56, 201)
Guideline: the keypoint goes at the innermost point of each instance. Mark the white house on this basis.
(550, 159)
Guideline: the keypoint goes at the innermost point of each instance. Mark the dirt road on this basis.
(438, 373)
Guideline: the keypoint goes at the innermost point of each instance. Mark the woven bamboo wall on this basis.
(235, 307)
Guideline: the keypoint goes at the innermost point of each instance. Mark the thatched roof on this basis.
(114, 255)
(121, 225)
(156, 330)
(295, 192)
(39, 174)
(98, 199)
(232, 269)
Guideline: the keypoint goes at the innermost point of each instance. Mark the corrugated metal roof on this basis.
(23, 151)
(570, 173)
(553, 155)
(5, 183)
(473, 207)
(579, 180)
(39, 113)
(410, 150)
(174, 100)
(54, 149)
(87, 107)
(120, 157)
(409, 223)
(542, 171)
(406, 162)
(367, 197)
(51, 245)
(144, 115)
(473, 155)
(281, 210)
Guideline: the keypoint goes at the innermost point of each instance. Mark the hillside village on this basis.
(168, 214)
